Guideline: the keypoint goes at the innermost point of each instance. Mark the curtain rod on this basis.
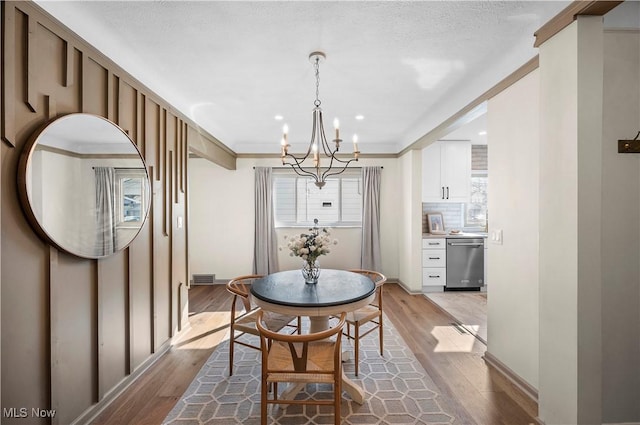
(289, 168)
(123, 168)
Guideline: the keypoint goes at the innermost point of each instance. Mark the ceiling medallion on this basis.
(332, 164)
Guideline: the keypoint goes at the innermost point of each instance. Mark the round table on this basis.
(336, 291)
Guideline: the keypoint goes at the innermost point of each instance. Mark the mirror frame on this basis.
(23, 165)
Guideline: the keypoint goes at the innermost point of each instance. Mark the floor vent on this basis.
(203, 279)
(460, 328)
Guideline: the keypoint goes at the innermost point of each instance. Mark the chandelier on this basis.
(330, 165)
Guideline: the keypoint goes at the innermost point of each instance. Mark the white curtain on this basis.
(106, 243)
(265, 255)
(370, 252)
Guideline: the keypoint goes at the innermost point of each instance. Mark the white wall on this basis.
(513, 120)
(221, 208)
(621, 230)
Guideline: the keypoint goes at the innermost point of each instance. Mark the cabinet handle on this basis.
(434, 243)
(434, 258)
(432, 276)
(447, 192)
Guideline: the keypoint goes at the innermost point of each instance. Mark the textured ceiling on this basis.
(233, 66)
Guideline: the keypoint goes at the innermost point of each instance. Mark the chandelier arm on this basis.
(342, 161)
(304, 173)
(298, 163)
(344, 168)
(295, 158)
(325, 145)
(314, 127)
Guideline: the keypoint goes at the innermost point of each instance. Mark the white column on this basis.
(410, 220)
(571, 70)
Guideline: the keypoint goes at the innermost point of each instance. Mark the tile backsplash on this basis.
(452, 214)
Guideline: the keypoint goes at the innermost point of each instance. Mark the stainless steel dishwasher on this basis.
(465, 263)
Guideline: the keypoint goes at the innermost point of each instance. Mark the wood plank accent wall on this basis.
(75, 332)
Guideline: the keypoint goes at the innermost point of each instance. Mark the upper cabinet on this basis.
(446, 171)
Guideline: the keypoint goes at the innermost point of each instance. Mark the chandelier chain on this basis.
(317, 67)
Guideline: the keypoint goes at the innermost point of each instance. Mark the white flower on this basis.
(310, 246)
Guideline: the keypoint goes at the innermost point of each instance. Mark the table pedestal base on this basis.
(318, 324)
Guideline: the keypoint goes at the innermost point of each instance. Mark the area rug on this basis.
(398, 390)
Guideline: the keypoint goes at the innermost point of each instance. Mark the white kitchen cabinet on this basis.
(446, 172)
(434, 264)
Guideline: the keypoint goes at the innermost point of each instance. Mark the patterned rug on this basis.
(398, 390)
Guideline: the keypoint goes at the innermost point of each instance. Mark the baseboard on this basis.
(520, 390)
(432, 289)
(403, 286)
(92, 413)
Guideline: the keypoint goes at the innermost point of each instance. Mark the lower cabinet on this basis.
(434, 264)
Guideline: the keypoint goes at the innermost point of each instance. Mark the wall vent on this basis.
(203, 279)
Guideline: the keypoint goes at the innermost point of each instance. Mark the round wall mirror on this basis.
(84, 185)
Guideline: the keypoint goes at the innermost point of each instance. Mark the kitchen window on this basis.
(475, 211)
(298, 201)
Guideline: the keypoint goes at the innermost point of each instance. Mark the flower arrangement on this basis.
(309, 246)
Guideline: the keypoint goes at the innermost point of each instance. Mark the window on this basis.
(297, 200)
(130, 197)
(476, 210)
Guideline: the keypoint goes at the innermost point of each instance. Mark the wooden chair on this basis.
(300, 359)
(244, 314)
(371, 314)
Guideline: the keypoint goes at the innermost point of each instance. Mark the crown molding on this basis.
(569, 14)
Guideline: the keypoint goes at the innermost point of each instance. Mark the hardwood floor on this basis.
(451, 356)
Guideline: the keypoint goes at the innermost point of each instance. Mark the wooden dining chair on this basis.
(244, 314)
(370, 314)
(301, 359)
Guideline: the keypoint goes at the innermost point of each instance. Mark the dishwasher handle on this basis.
(466, 244)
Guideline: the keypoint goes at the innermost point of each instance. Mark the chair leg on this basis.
(231, 352)
(337, 397)
(356, 338)
(380, 336)
(263, 402)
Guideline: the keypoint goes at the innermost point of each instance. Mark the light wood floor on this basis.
(452, 357)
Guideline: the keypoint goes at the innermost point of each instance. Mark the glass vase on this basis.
(311, 271)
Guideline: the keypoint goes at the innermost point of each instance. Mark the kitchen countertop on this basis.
(456, 235)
